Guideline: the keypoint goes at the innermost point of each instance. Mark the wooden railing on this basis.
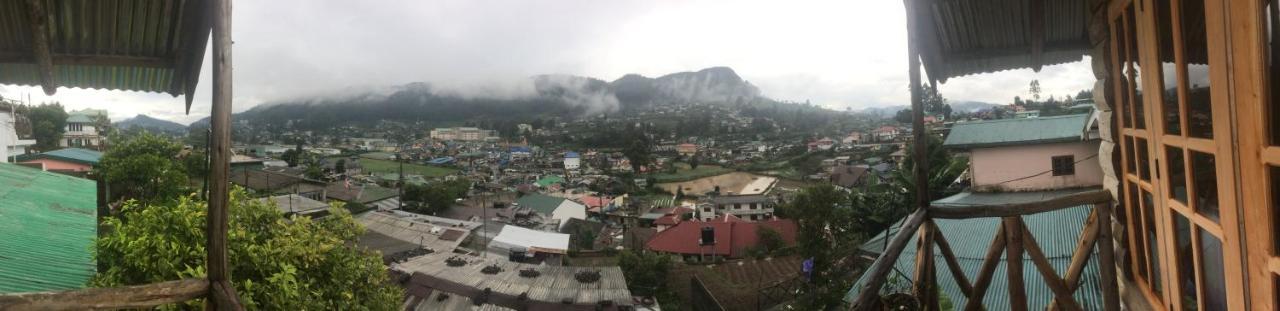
(1012, 239)
(127, 297)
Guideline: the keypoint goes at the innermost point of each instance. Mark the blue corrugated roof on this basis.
(1056, 232)
(1024, 131)
(570, 154)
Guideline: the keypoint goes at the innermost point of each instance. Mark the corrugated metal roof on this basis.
(78, 118)
(543, 204)
(48, 222)
(963, 37)
(136, 45)
(78, 155)
(1023, 131)
(1056, 232)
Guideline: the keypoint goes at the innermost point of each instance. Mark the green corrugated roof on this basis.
(542, 204)
(48, 222)
(77, 155)
(78, 118)
(1017, 131)
(1056, 232)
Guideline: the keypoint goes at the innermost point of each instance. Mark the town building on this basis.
(730, 237)
(82, 129)
(885, 133)
(751, 207)
(686, 149)
(556, 211)
(572, 161)
(1030, 154)
(11, 142)
(464, 134)
(854, 138)
(73, 161)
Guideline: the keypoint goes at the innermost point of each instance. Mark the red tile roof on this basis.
(666, 220)
(732, 237)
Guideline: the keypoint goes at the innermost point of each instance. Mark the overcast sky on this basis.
(835, 53)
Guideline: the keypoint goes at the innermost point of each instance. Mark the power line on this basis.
(1045, 172)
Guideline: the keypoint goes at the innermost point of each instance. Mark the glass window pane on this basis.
(1186, 264)
(1139, 248)
(1144, 171)
(1177, 174)
(1214, 289)
(1168, 70)
(1204, 177)
(1135, 70)
(1196, 53)
(1153, 244)
(1275, 209)
(1133, 164)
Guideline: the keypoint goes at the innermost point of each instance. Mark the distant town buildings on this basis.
(82, 129)
(464, 134)
(746, 207)
(572, 161)
(11, 144)
(686, 149)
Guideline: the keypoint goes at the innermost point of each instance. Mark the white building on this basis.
(81, 131)
(464, 134)
(10, 144)
(572, 161)
(746, 207)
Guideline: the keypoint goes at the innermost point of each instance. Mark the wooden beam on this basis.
(1061, 292)
(1106, 259)
(223, 295)
(40, 45)
(987, 272)
(90, 60)
(953, 265)
(924, 272)
(1013, 264)
(1019, 209)
(1084, 249)
(879, 270)
(920, 143)
(1036, 14)
(126, 297)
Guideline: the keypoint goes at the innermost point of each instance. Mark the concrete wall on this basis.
(1015, 168)
(55, 165)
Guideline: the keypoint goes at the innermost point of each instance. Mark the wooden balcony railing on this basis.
(1014, 240)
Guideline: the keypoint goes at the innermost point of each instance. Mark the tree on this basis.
(646, 272)
(291, 157)
(340, 167)
(144, 167)
(770, 239)
(638, 150)
(944, 169)
(903, 116)
(300, 264)
(827, 231)
(433, 198)
(48, 121)
(1035, 89)
(693, 162)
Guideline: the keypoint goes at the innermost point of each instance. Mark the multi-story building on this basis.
(464, 134)
(82, 129)
(747, 207)
(11, 142)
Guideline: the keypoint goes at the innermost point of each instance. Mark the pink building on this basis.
(67, 160)
(1033, 154)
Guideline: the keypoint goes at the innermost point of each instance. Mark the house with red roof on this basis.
(732, 237)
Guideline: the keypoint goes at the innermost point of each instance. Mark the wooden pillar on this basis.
(1106, 256)
(1013, 265)
(919, 137)
(40, 45)
(222, 294)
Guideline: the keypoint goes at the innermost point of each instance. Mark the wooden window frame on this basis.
(1063, 165)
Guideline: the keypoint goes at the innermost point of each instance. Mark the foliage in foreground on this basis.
(646, 275)
(145, 167)
(276, 264)
(829, 232)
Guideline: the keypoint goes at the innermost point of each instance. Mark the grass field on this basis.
(683, 173)
(372, 166)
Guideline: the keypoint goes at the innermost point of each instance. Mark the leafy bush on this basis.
(275, 264)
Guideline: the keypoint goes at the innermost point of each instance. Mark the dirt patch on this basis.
(728, 182)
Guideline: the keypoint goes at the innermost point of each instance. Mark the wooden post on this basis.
(920, 142)
(1013, 263)
(879, 270)
(1106, 259)
(924, 266)
(1061, 292)
(222, 294)
(40, 45)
